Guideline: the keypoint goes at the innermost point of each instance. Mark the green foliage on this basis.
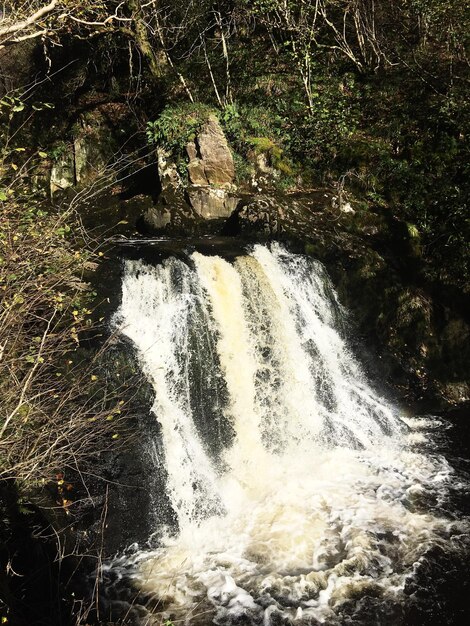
(262, 145)
(12, 104)
(242, 121)
(318, 135)
(257, 130)
(243, 125)
(410, 153)
(177, 125)
(274, 154)
(243, 169)
(58, 150)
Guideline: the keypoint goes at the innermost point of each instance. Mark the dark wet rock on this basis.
(18, 66)
(288, 214)
(157, 218)
(172, 213)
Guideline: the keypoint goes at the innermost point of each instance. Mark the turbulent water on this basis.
(297, 490)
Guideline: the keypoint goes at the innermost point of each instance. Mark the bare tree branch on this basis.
(32, 19)
(38, 33)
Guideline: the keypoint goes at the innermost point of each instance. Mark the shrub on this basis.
(51, 410)
(177, 125)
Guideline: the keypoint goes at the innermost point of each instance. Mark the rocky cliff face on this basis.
(209, 191)
(84, 159)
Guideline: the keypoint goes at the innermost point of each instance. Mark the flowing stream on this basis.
(296, 489)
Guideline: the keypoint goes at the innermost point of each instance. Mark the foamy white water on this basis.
(313, 493)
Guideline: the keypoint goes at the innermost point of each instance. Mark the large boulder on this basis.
(209, 192)
(210, 158)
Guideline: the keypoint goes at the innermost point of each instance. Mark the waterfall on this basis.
(293, 483)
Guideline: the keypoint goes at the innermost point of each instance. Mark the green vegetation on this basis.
(177, 125)
(46, 304)
(369, 97)
(256, 131)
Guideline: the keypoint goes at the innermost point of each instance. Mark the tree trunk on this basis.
(157, 61)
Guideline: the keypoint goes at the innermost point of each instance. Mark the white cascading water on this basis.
(294, 485)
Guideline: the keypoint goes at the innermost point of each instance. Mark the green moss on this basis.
(414, 240)
(263, 145)
(413, 231)
(315, 249)
(266, 146)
